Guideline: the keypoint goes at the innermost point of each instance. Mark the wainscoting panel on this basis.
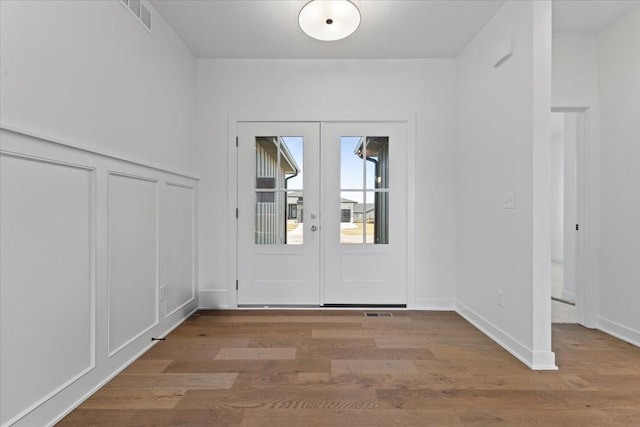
(47, 258)
(133, 258)
(180, 229)
(86, 240)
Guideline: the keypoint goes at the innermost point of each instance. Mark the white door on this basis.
(278, 213)
(364, 212)
(322, 222)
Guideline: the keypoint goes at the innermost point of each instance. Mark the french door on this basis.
(322, 221)
(278, 213)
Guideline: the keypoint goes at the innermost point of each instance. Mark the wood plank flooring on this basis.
(340, 368)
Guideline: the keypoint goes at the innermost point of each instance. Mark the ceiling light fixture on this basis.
(329, 20)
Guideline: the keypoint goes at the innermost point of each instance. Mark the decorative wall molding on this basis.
(153, 248)
(185, 186)
(131, 176)
(101, 168)
(80, 147)
(88, 200)
(193, 213)
(124, 366)
(46, 160)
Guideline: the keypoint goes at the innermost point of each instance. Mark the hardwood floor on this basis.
(340, 368)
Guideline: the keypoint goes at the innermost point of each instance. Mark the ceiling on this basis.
(588, 16)
(389, 28)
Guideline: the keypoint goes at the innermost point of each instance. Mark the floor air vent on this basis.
(372, 314)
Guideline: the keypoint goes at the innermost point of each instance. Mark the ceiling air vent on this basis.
(134, 5)
(145, 17)
(139, 10)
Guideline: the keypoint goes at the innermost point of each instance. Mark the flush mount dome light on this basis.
(329, 20)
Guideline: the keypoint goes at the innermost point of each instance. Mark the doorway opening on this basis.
(567, 145)
(318, 222)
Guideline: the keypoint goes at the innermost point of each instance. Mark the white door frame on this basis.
(409, 118)
(586, 255)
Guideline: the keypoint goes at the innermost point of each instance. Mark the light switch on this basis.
(509, 200)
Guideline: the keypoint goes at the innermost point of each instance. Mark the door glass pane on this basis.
(266, 161)
(377, 149)
(364, 180)
(368, 215)
(278, 211)
(351, 164)
(295, 226)
(350, 216)
(377, 217)
(268, 228)
(291, 152)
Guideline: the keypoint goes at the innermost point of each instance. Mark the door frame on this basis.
(233, 119)
(585, 249)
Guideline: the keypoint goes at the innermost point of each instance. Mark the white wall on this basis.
(425, 88)
(88, 73)
(600, 72)
(502, 255)
(619, 84)
(74, 309)
(575, 87)
(575, 70)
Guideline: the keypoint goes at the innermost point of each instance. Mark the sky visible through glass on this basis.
(350, 166)
(295, 145)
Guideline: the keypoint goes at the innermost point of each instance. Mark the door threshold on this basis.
(563, 301)
(278, 306)
(365, 305)
(318, 307)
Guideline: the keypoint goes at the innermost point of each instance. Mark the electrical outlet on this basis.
(500, 298)
(161, 293)
(509, 200)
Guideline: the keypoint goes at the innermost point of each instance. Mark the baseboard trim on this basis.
(619, 331)
(536, 360)
(212, 299)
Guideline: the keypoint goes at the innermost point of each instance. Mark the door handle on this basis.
(314, 228)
